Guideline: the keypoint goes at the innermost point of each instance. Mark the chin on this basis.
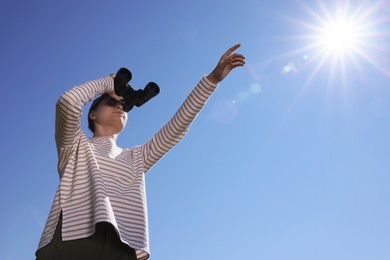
(121, 129)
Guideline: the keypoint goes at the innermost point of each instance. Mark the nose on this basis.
(119, 106)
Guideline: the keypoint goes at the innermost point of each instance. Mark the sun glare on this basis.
(339, 36)
(342, 36)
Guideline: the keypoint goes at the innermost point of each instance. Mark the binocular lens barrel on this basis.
(133, 97)
(152, 88)
(122, 77)
(150, 91)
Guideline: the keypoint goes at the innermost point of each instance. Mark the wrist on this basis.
(212, 78)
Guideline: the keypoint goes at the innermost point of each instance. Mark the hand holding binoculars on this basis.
(130, 96)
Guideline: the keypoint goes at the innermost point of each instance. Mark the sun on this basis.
(340, 31)
(342, 36)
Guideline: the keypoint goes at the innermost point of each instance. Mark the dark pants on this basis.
(103, 245)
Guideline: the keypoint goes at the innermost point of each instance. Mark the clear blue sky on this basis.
(289, 160)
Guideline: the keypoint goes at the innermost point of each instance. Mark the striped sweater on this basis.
(102, 182)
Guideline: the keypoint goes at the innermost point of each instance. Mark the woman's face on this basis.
(109, 116)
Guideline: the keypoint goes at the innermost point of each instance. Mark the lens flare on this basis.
(342, 37)
(256, 88)
(224, 111)
(294, 66)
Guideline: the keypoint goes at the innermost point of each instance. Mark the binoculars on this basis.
(130, 96)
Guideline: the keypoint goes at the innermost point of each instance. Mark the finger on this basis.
(232, 49)
(240, 59)
(118, 97)
(115, 96)
(237, 55)
(238, 64)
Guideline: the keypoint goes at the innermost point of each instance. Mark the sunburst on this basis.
(344, 35)
(340, 36)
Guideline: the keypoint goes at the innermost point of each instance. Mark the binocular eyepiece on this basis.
(130, 96)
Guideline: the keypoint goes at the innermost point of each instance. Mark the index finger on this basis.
(115, 96)
(232, 49)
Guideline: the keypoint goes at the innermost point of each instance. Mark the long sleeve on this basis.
(168, 136)
(69, 109)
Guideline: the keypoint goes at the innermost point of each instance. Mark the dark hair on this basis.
(93, 107)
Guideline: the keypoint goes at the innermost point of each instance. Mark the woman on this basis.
(99, 210)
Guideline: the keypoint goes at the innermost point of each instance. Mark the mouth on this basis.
(121, 113)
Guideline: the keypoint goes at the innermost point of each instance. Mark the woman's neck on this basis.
(100, 132)
(111, 136)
